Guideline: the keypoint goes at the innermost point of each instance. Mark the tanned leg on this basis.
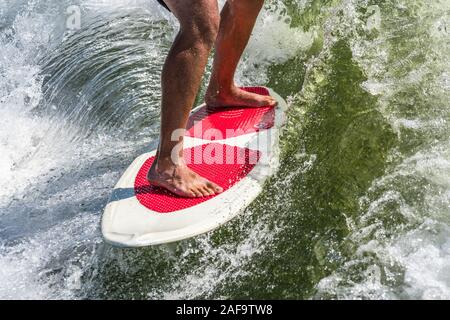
(238, 18)
(181, 79)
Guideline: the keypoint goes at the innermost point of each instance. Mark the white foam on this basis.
(273, 41)
(41, 227)
(32, 269)
(425, 253)
(402, 241)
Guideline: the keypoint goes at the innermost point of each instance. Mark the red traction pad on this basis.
(220, 163)
(221, 123)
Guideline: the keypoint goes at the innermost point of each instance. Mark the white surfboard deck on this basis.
(127, 222)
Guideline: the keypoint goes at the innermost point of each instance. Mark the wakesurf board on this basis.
(235, 147)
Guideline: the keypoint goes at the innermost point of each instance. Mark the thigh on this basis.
(194, 13)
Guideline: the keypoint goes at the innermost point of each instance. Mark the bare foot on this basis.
(181, 180)
(236, 97)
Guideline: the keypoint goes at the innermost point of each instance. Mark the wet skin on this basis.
(201, 28)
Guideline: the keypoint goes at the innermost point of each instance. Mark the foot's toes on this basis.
(186, 193)
(187, 184)
(214, 187)
(260, 101)
(211, 191)
(201, 189)
(269, 101)
(272, 102)
(197, 193)
(206, 192)
(191, 194)
(239, 97)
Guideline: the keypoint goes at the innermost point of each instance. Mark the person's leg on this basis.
(238, 18)
(181, 79)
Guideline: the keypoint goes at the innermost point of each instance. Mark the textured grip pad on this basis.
(221, 123)
(220, 163)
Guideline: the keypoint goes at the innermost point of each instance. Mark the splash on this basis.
(357, 210)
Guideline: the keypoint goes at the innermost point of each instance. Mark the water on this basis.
(359, 209)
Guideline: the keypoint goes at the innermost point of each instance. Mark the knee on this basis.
(210, 31)
(204, 31)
